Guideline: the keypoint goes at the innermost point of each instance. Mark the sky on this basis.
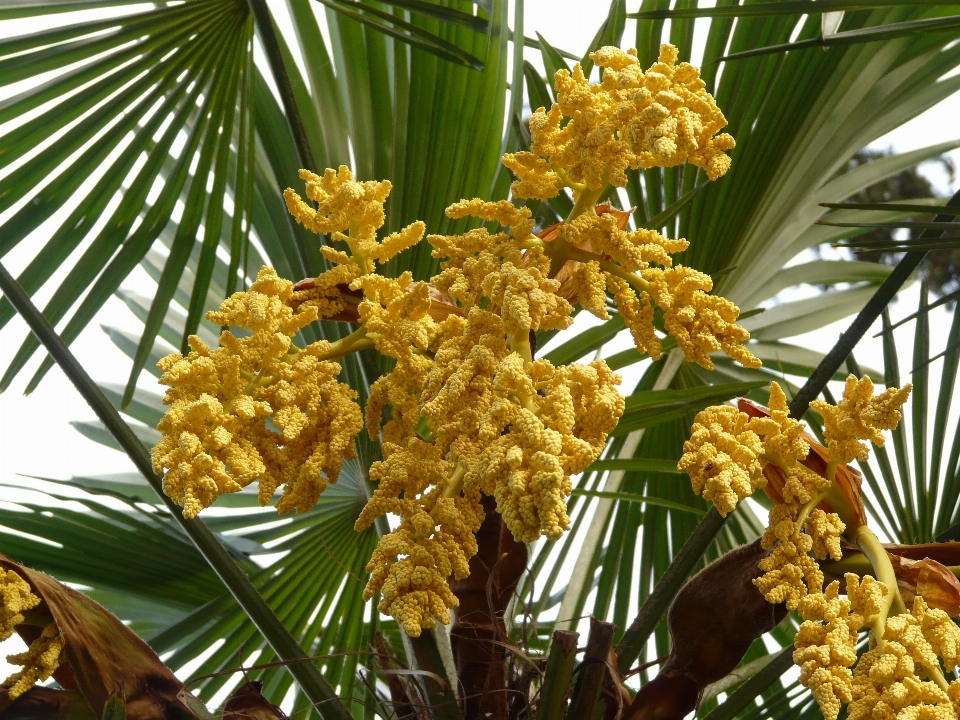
(36, 438)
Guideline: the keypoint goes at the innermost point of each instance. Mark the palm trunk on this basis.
(481, 661)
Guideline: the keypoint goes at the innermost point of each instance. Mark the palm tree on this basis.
(157, 141)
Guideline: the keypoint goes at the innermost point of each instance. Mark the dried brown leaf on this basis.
(104, 656)
(248, 703)
(713, 621)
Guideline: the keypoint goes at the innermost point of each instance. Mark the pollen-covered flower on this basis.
(631, 119)
(637, 312)
(632, 250)
(860, 416)
(789, 571)
(722, 457)
(351, 212)
(590, 286)
(480, 265)
(866, 596)
(825, 529)
(783, 437)
(435, 539)
(885, 685)
(16, 598)
(940, 631)
(545, 423)
(39, 662)
(826, 648)
(216, 437)
(700, 323)
(458, 390)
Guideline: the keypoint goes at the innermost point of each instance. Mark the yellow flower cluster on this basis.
(886, 682)
(701, 323)
(533, 441)
(471, 412)
(631, 119)
(501, 425)
(885, 686)
(900, 677)
(39, 662)
(727, 451)
(350, 212)
(784, 446)
(587, 140)
(479, 265)
(940, 631)
(435, 537)
(16, 598)
(725, 458)
(826, 647)
(722, 457)
(860, 416)
(790, 573)
(218, 434)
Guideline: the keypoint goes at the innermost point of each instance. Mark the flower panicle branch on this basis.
(467, 410)
(731, 453)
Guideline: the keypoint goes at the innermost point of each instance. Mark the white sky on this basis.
(36, 439)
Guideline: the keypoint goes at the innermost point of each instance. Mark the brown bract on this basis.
(103, 656)
(248, 703)
(929, 579)
(713, 621)
(42, 703)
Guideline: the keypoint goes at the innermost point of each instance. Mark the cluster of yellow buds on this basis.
(826, 645)
(350, 212)
(44, 654)
(434, 540)
(586, 142)
(901, 675)
(472, 412)
(887, 681)
(479, 417)
(859, 416)
(39, 662)
(16, 598)
(256, 408)
(660, 118)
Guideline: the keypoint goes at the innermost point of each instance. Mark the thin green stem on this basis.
(356, 341)
(361, 259)
(305, 672)
(877, 555)
(808, 508)
(271, 47)
(893, 602)
(586, 200)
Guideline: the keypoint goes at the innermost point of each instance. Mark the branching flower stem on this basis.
(356, 341)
